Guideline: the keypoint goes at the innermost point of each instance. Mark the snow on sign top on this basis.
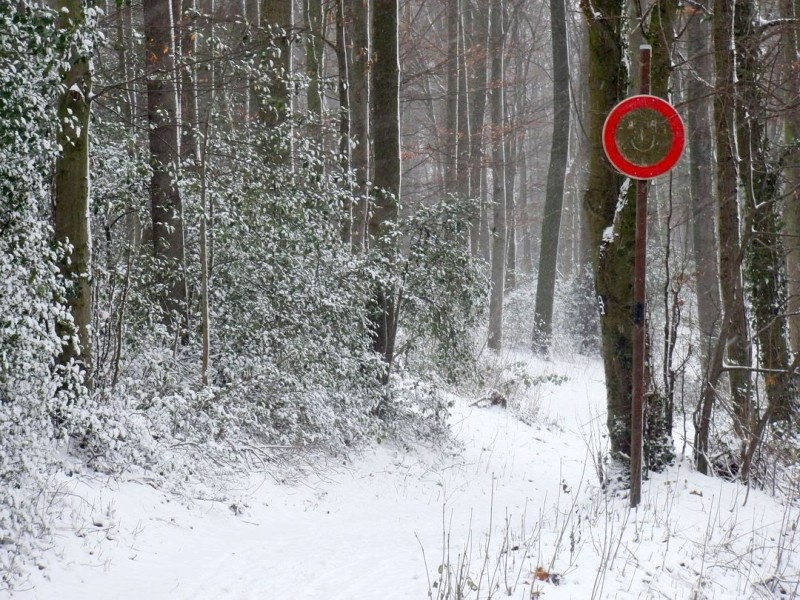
(643, 136)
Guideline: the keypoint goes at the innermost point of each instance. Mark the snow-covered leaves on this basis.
(35, 392)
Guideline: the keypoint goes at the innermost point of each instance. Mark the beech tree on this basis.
(359, 117)
(559, 154)
(499, 197)
(166, 207)
(698, 122)
(385, 113)
(71, 182)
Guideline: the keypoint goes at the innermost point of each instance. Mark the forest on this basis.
(232, 231)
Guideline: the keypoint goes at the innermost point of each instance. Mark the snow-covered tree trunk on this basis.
(764, 255)
(730, 255)
(71, 197)
(610, 217)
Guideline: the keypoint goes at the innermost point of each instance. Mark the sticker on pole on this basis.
(643, 136)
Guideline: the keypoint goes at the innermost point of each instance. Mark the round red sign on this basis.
(643, 136)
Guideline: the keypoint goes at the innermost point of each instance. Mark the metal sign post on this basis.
(643, 137)
(639, 299)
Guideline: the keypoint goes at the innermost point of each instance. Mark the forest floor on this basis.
(512, 507)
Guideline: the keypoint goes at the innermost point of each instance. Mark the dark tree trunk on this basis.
(386, 126)
(791, 213)
(166, 207)
(730, 256)
(557, 170)
(359, 116)
(761, 194)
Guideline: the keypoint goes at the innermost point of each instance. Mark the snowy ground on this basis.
(511, 510)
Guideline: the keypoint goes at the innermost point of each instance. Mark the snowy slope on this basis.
(481, 516)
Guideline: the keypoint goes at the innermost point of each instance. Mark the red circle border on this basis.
(612, 122)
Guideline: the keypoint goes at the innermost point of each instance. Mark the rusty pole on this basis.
(639, 309)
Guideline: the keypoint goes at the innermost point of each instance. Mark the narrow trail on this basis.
(391, 523)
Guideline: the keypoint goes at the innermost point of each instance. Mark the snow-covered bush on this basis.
(443, 291)
(37, 395)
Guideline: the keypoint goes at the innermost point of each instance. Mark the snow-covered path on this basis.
(380, 526)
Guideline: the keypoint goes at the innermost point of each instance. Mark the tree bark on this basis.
(314, 58)
(385, 113)
(71, 201)
(525, 217)
(791, 132)
(451, 133)
(761, 194)
(701, 176)
(510, 169)
(479, 55)
(557, 170)
(359, 119)
(610, 217)
(730, 255)
(278, 17)
(349, 230)
(495, 341)
(166, 207)
(188, 80)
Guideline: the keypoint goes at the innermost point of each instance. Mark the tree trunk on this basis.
(495, 340)
(188, 78)
(791, 131)
(761, 193)
(703, 222)
(554, 195)
(278, 17)
(71, 201)
(314, 40)
(525, 213)
(463, 186)
(166, 207)
(451, 133)
(510, 168)
(610, 217)
(479, 55)
(359, 118)
(730, 255)
(386, 121)
(349, 233)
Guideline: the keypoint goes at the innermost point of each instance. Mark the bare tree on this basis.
(702, 177)
(791, 131)
(496, 37)
(559, 153)
(359, 116)
(385, 111)
(730, 255)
